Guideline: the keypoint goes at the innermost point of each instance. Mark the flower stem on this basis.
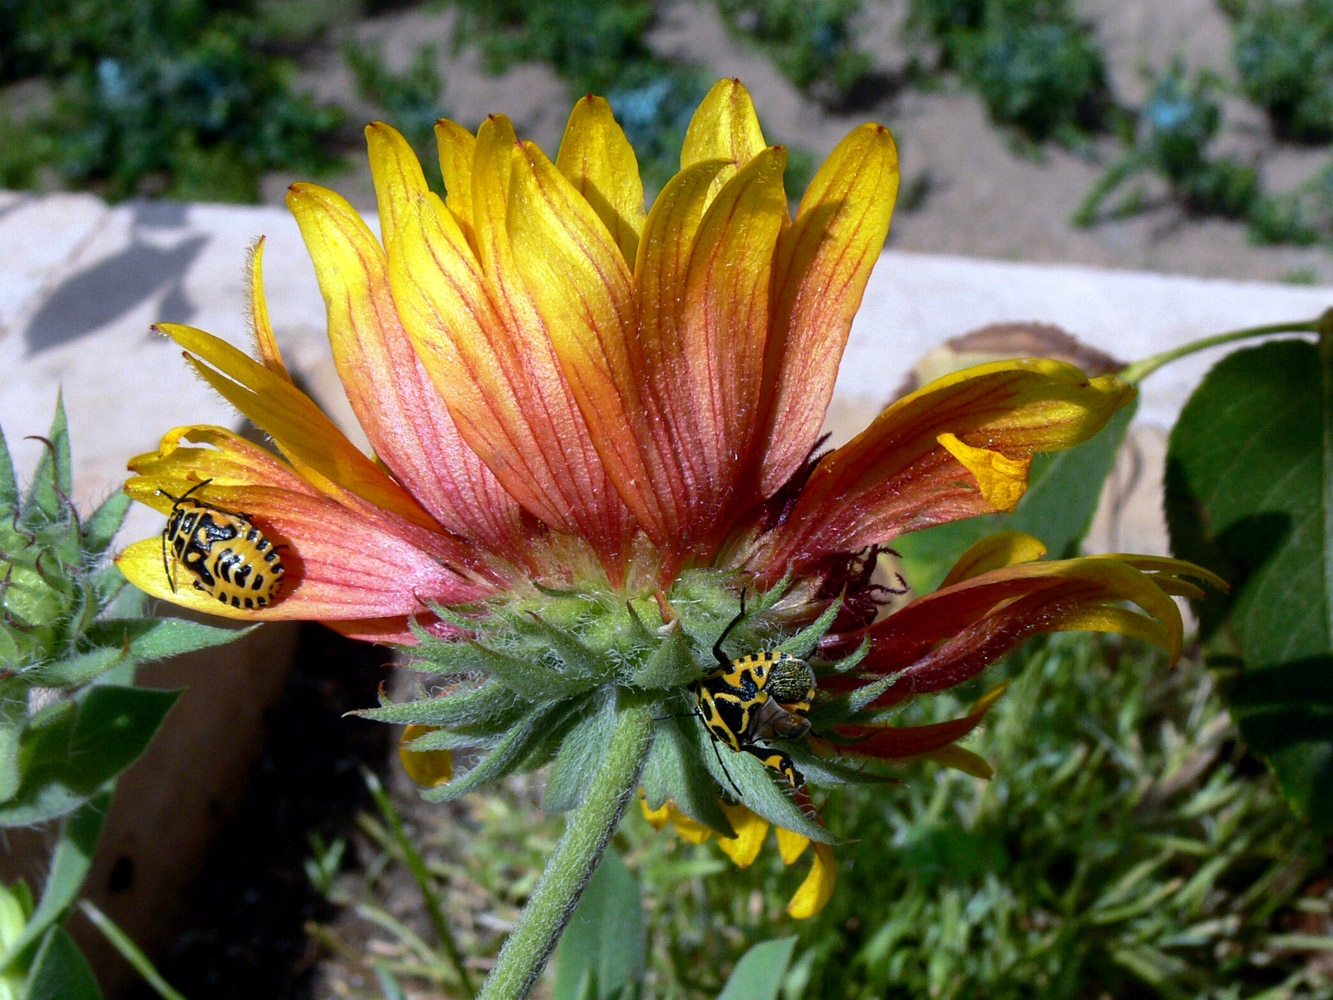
(587, 833)
(1140, 370)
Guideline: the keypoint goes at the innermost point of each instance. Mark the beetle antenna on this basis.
(717, 646)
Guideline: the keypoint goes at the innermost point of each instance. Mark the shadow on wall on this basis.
(104, 292)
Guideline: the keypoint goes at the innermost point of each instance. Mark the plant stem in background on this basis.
(589, 830)
(1140, 370)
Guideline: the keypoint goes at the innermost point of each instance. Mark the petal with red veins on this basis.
(392, 395)
(724, 127)
(338, 564)
(600, 163)
(823, 262)
(896, 476)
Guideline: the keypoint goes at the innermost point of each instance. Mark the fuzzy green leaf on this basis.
(9, 488)
(60, 972)
(1250, 494)
(602, 952)
(670, 665)
(476, 707)
(109, 583)
(525, 737)
(529, 679)
(70, 863)
(147, 639)
(760, 789)
(71, 750)
(581, 665)
(581, 751)
(51, 482)
(803, 643)
(1063, 491)
(675, 771)
(758, 975)
(101, 526)
(76, 670)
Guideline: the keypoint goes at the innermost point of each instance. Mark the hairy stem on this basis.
(586, 835)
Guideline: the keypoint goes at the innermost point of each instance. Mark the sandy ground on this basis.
(984, 196)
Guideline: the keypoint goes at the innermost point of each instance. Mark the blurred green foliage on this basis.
(1036, 67)
(180, 98)
(1177, 126)
(1284, 54)
(812, 42)
(412, 100)
(1127, 846)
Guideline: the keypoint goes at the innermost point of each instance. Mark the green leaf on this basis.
(60, 972)
(477, 707)
(523, 738)
(758, 975)
(675, 771)
(157, 638)
(1063, 491)
(69, 752)
(51, 482)
(580, 753)
(9, 488)
(101, 526)
(602, 953)
(69, 867)
(1249, 475)
(76, 670)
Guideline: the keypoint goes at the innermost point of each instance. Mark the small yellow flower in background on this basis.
(594, 427)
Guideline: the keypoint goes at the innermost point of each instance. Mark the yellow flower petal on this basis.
(817, 889)
(1004, 548)
(690, 829)
(791, 845)
(1001, 479)
(428, 768)
(600, 163)
(823, 262)
(457, 147)
(266, 344)
(750, 829)
(656, 817)
(724, 127)
(960, 759)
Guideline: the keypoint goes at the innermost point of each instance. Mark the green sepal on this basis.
(849, 663)
(823, 771)
(675, 771)
(51, 485)
(455, 739)
(525, 735)
(580, 754)
(76, 670)
(108, 583)
(532, 681)
(759, 790)
(157, 638)
(9, 487)
(670, 665)
(479, 706)
(803, 643)
(863, 696)
(60, 972)
(101, 526)
(582, 665)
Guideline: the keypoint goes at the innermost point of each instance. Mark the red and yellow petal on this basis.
(227, 459)
(390, 391)
(823, 263)
(900, 742)
(457, 148)
(897, 475)
(600, 163)
(338, 564)
(944, 638)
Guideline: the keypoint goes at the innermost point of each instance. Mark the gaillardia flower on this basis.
(595, 427)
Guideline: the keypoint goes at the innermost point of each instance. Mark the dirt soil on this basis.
(982, 193)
